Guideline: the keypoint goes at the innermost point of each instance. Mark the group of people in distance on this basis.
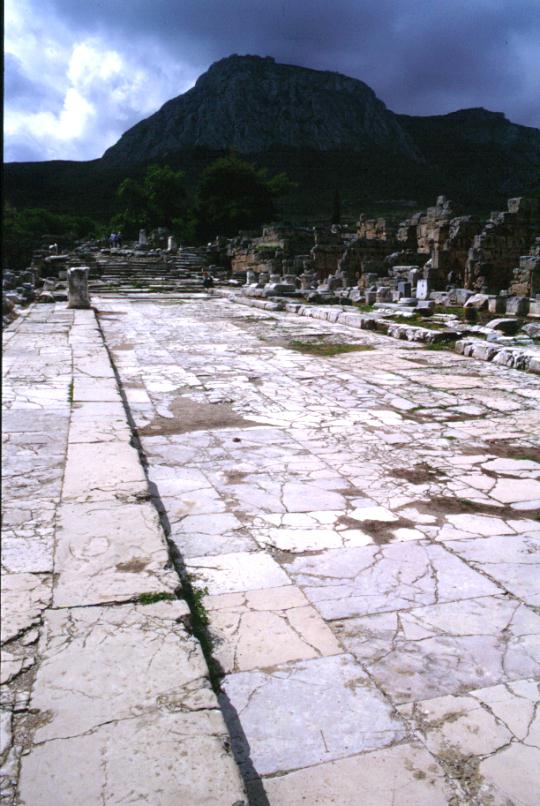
(115, 240)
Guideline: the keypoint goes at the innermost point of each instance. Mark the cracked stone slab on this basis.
(236, 572)
(405, 775)
(24, 598)
(162, 757)
(122, 694)
(488, 741)
(103, 471)
(98, 422)
(447, 648)
(511, 560)
(108, 552)
(309, 712)
(95, 389)
(516, 491)
(28, 538)
(476, 525)
(200, 535)
(263, 628)
(353, 581)
(116, 665)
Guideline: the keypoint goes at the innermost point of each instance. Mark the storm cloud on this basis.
(79, 74)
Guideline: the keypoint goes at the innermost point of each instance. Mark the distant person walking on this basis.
(208, 281)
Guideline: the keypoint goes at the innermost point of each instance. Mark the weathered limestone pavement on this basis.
(364, 532)
(106, 696)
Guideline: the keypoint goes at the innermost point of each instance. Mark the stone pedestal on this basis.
(517, 306)
(143, 238)
(404, 289)
(384, 294)
(371, 296)
(78, 296)
(422, 289)
(497, 305)
(307, 279)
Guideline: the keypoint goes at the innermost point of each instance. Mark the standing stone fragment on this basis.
(78, 287)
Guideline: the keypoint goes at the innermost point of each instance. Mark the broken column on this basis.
(78, 296)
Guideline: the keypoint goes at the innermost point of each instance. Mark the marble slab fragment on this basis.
(354, 581)
(165, 757)
(309, 712)
(446, 648)
(103, 471)
(236, 572)
(492, 734)
(151, 664)
(24, 597)
(265, 628)
(512, 561)
(405, 775)
(109, 552)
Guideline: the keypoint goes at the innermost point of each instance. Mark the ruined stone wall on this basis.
(496, 250)
(376, 229)
(443, 238)
(526, 277)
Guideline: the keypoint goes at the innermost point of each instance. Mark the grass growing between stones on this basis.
(416, 321)
(363, 307)
(152, 598)
(70, 392)
(315, 348)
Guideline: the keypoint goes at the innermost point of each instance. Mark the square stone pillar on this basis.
(78, 296)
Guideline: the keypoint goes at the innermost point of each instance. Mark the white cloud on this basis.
(89, 92)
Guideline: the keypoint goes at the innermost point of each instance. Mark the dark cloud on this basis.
(420, 57)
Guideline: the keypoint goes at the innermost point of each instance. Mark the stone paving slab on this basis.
(103, 471)
(350, 716)
(447, 648)
(109, 552)
(492, 735)
(148, 730)
(263, 628)
(406, 775)
(361, 531)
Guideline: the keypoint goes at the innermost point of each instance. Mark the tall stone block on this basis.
(78, 296)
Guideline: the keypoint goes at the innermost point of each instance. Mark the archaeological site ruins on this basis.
(274, 540)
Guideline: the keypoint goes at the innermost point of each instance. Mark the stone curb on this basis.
(526, 360)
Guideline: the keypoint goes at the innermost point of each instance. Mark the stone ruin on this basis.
(440, 254)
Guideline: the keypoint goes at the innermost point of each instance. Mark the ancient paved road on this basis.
(105, 695)
(364, 526)
(363, 530)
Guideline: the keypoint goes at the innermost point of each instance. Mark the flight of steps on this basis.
(143, 273)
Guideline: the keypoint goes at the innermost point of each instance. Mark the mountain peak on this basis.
(253, 103)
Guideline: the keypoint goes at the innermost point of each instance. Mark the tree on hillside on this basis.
(235, 195)
(27, 230)
(158, 201)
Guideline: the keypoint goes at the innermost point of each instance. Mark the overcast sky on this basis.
(78, 73)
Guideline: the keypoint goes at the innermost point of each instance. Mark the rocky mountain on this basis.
(251, 104)
(328, 132)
